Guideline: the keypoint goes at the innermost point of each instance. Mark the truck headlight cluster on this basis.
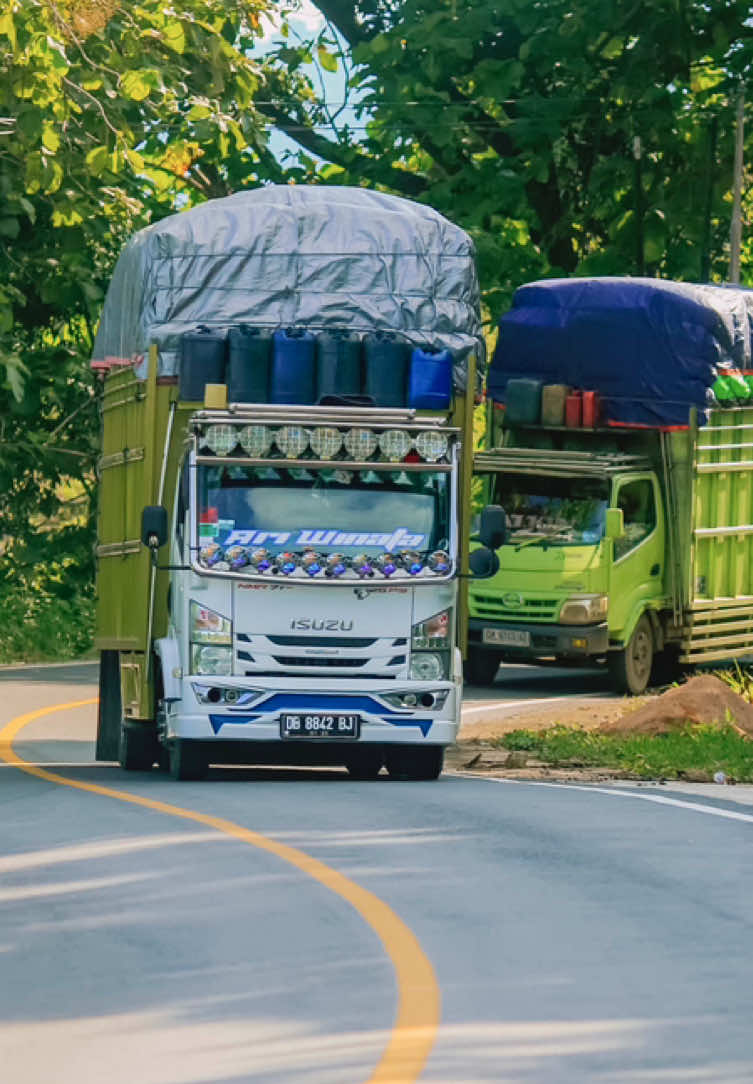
(430, 647)
(584, 610)
(211, 638)
(324, 442)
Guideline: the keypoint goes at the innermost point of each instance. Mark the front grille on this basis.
(298, 660)
(334, 674)
(320, 641)
(531, 609)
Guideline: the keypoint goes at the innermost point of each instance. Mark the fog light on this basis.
(579, 641)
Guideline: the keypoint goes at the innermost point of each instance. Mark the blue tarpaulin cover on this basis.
(650, 347)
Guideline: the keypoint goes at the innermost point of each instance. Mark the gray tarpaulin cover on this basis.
(287, 255)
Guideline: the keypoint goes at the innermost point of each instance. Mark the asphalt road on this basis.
(572, 934)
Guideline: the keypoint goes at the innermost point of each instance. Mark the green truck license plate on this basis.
(507, 637)
(320, 725)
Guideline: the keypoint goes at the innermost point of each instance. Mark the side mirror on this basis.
(614, 527)
(483, 563)
(493, 531)
(154, 526)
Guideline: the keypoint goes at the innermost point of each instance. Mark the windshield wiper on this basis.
(540, 539)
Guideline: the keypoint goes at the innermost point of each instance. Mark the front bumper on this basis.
(563, 641)
(381, 722)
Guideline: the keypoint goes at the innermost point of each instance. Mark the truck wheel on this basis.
(138, 746)
(365, 763)
(480, 668)
(415, 762)
(630, 669)
(109, 715)
(187, 761)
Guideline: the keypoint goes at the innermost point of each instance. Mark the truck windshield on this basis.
(555, 511)
(245, 510)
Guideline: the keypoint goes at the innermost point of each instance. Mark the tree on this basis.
(110, 117)
(587, 138)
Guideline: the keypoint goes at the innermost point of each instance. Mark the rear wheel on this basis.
(187, 760)
(138, 746)
(480, 668)
(630, 669)
(109, 715)
(415, 762)
(365, 763)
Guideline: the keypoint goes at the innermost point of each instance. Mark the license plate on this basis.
(508, 637)
(311, 724)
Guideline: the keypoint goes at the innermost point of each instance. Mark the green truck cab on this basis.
(630, 545)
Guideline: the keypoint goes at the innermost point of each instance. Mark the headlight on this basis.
(434, 632)
(427, 666)
(292, 441)
(255, 440)
(360, 444)
(326, 442)
(395, 444)
(208, 659)
(584, 610)
(220, 439)
(208, 627)
(431, 446)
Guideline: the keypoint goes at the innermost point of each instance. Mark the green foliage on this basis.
(740, 680)
(111, 116)
(696, 749)
(520, 121)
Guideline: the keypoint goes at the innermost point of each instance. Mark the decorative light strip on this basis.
(325, 442)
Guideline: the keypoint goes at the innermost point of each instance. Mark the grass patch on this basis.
(693, 751)
(739, 678)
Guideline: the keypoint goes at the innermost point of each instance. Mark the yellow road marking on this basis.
(418, 1010)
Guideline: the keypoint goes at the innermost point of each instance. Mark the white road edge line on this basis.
(696, 807)
(523, 703)
(47, 665)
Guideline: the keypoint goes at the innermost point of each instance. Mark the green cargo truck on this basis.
(630, 542)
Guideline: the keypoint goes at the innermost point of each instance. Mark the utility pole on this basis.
(735, 232)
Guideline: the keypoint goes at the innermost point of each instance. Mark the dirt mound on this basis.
(703, 699)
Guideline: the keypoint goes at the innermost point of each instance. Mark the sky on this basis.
(306, 23)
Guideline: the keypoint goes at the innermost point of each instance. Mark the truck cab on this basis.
(584, 563)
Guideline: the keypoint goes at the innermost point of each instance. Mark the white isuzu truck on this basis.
(278, 578)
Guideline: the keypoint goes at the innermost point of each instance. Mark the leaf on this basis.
(97, 160)
(8, 28)
(50, 138)
(15, 371)
(134, 159)
(9, 227)
(137, 85)
(199, 112)
(66, 218)
(174, 36)
(326, 59)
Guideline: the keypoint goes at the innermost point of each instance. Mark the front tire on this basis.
(630, 669)
(187, 761)
(138, 746)
(415, 762)
(480, 668)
